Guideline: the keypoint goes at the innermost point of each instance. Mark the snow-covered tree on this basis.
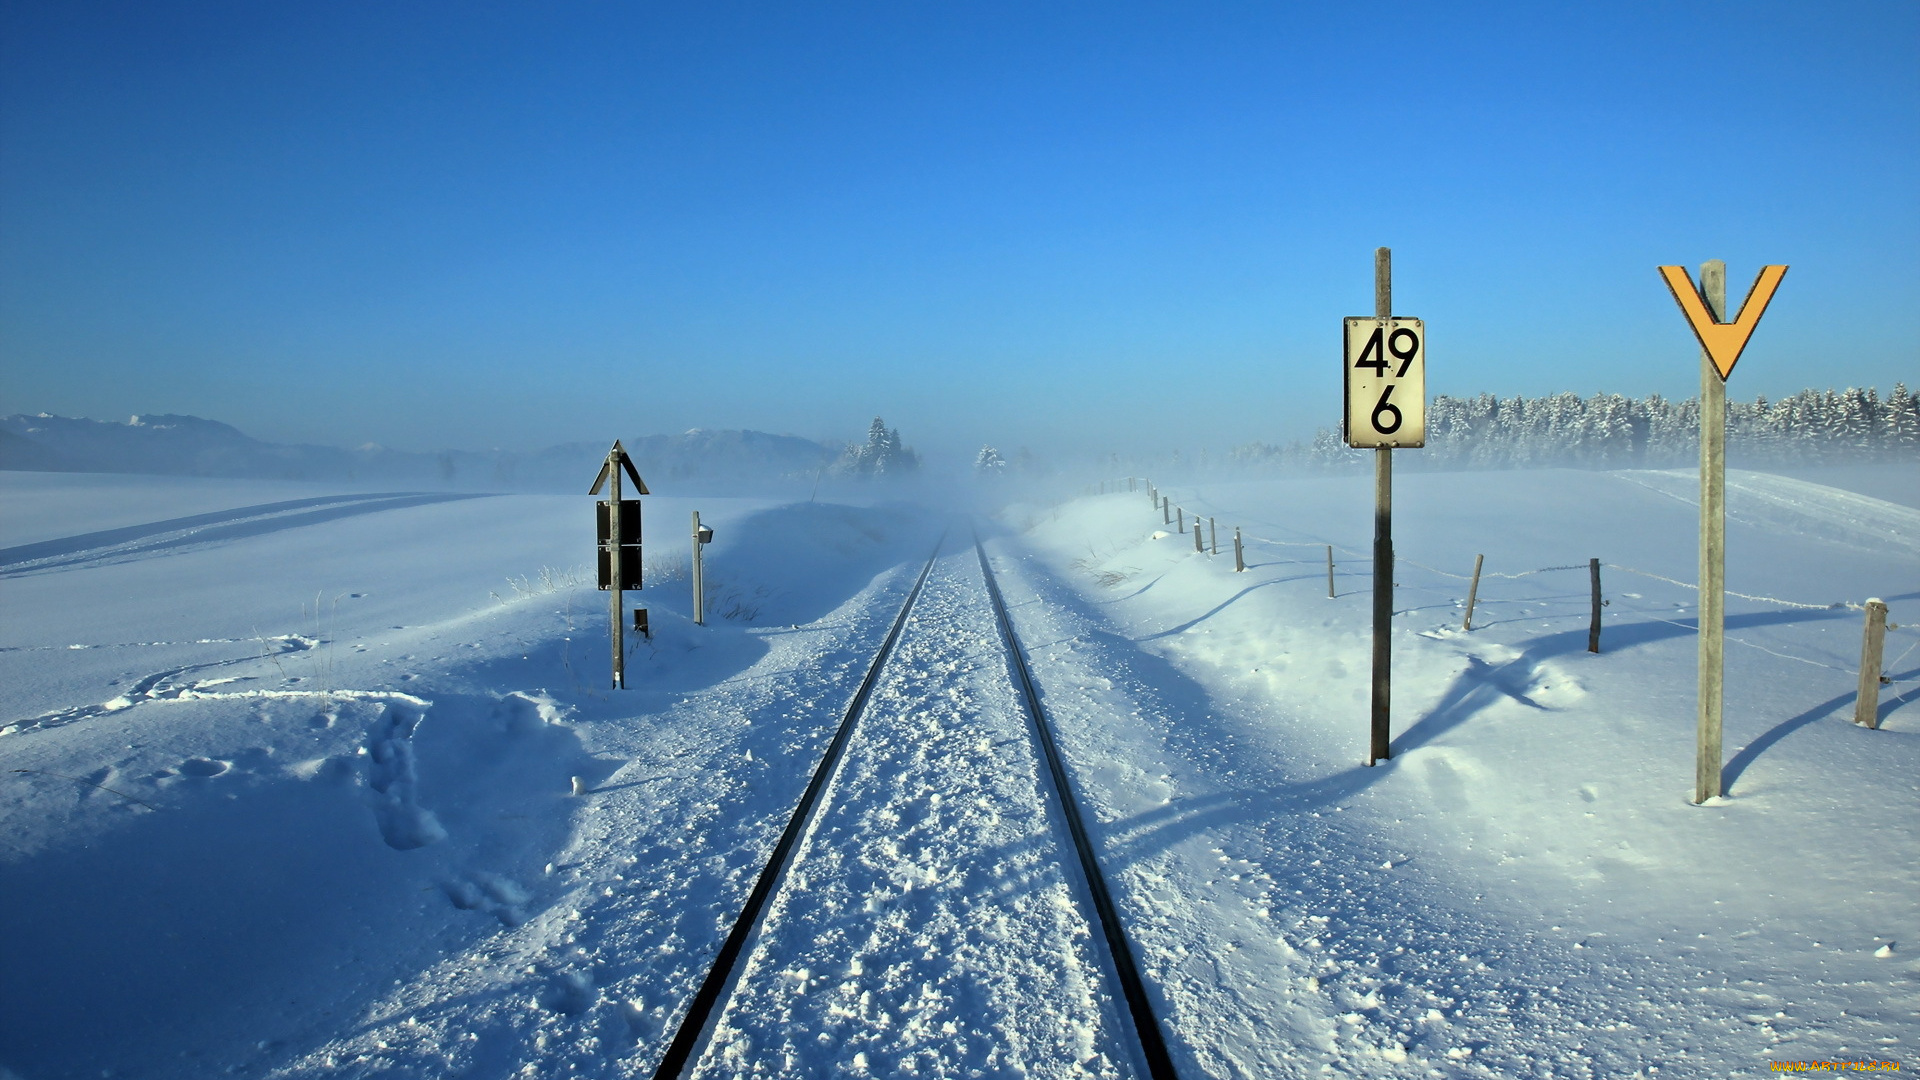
(883, 454)
(1902, 437)
(989, 462)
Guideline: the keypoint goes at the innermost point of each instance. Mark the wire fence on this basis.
(1172, 513)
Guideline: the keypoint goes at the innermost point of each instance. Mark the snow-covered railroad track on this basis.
(924, 912)
(1153, 1047)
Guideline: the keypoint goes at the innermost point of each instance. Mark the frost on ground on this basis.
(297, 783)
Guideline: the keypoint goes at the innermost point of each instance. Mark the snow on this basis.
(1536, 810)
(340, 789)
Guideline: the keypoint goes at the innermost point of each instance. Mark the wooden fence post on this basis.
(1199, 548)
(1329, 571)
(1866, 707)
(1180, 518)
(1166, 510)
(1213, 536)
(1473, 590)
(1708, 759)
(1593, 631)
(1239, 556)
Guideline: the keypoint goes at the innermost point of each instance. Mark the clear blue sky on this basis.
(1111, 226)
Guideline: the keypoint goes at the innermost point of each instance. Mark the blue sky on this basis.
(1120, 226)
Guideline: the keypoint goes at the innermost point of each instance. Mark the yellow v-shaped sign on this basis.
(1723, 341)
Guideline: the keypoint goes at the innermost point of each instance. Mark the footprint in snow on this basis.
(568, 993)
(404, 824)
(494, 894)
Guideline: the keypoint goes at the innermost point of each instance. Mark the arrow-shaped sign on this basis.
(618, 455)
(1723, 341)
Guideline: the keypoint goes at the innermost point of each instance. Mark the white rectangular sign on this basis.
(1386, 382)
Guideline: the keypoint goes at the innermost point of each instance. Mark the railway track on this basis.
(790, 878)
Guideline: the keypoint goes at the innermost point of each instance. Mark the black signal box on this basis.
(629, 543)
(629, 522)
(629, 567)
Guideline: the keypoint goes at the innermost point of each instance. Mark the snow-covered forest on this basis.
(1610, 431)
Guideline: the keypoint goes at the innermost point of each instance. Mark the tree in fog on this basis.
(883, 454)
(989, 462)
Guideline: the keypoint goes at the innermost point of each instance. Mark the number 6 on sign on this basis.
(1386, 382)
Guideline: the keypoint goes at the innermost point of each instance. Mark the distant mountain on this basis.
(725, 455)
(20, 452)
(170, 445)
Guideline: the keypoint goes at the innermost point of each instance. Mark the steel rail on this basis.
(714, 988)
(1153, 1045)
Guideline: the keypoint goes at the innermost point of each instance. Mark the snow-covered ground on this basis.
(1525, 888)
(286, 782)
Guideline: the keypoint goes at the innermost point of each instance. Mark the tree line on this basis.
(1609, 431)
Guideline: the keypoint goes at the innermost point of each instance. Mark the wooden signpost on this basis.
(1385, 369)
(1721, 344)
(618, 536)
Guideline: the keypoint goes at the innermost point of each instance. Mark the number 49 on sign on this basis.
(1386, 384)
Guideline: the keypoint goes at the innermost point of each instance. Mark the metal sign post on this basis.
(1385, 370)
(702, 536)
(1721, 344)
(618, 536)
